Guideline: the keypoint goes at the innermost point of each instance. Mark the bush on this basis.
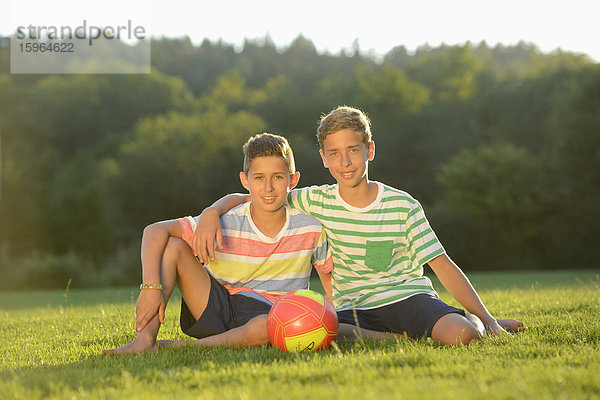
(44, 271)
(48, 271)
(124, 267)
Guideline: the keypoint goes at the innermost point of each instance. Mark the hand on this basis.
(150, 303)
(207, 232)
(494, 329)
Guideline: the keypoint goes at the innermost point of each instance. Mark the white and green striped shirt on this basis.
(378, 251)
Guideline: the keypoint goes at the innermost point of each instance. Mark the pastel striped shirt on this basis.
(252, 263)
(378, 251)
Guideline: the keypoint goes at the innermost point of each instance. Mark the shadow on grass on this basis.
(190, 367)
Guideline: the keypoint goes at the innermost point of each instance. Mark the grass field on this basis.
(51, 344)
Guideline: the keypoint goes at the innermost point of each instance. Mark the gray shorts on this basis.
(414, 316)
(223, 312)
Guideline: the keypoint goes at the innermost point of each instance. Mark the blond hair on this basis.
(267, 144)
(344, 117)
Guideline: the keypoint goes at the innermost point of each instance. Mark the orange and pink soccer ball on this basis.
(302, 320)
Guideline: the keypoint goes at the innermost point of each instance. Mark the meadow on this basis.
(51, 347)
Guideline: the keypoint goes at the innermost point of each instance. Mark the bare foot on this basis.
(138, 345)
(512, 325)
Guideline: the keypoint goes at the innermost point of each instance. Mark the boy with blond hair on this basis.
(267, 250)
(380, 241)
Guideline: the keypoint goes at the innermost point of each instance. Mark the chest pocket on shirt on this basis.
(379, 254)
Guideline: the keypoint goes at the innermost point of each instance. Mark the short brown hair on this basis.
(344, 117)
(267, 144)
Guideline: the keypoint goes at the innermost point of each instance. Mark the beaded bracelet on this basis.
(156, 286)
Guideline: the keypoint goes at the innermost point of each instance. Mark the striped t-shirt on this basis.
(378, 251)
(252, 263)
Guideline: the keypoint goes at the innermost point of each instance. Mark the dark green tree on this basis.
(501, 194)
(577, 172)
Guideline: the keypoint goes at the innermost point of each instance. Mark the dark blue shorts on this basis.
(223, 312)
(414, 316)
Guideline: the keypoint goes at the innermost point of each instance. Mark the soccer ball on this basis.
(302, 320)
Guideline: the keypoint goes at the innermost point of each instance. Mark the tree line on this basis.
(500, 144)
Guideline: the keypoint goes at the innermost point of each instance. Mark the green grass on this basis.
(51, 345)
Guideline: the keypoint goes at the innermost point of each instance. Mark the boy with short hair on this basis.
(380, 240)
(267, 250)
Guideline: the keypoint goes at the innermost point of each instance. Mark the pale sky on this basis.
(378, 25)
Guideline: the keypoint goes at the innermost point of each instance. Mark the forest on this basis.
(501, 144)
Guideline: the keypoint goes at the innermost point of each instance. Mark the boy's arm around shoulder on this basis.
(208, 231)
(323, 263)
(459, 286)
(154, 241)
(325, 278)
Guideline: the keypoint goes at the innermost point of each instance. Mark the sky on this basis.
(332, 25)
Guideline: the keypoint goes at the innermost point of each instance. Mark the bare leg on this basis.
(353, 332)
(455, 330)
(473, 329)
(253, 333)
(178, 265)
